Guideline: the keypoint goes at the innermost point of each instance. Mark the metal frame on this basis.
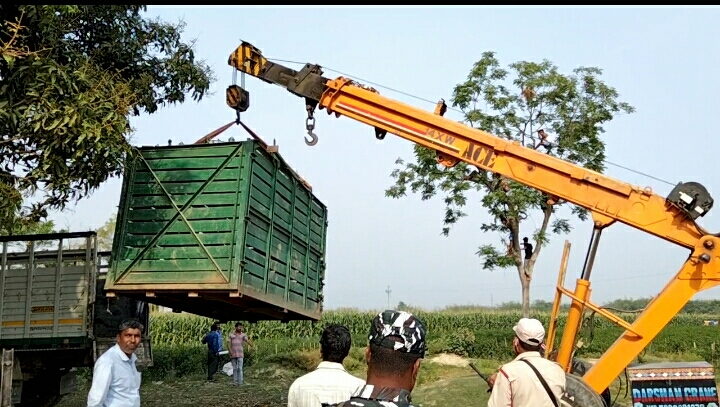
(32, 257)
(8, 358)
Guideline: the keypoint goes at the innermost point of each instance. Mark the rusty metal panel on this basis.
(220, 225)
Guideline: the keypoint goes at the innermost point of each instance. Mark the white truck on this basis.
(55, 317)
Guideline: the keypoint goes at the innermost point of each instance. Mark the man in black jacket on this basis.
(213, 339)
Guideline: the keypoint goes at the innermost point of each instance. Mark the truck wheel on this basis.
(46, 401)
(36, 395)
(580, 367)
(579, 394)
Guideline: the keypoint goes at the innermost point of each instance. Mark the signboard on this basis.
(681, 384)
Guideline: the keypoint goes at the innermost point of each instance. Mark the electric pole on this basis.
(388, 291)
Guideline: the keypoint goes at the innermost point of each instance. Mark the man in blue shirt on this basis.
(115, 380)
(213, 339)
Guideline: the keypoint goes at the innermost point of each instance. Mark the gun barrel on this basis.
(482, 376)
(479, 372)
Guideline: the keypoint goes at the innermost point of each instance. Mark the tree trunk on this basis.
(525, 273)
(525, 283)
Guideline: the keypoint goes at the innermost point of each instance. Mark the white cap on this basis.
(530, 331)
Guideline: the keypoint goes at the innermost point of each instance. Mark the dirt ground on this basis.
(442, 378)
(263, 389)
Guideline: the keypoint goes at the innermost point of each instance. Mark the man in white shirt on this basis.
(329, 382)
(116, 381)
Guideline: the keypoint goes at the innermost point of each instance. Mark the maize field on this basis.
(178, 351)
(172, 329)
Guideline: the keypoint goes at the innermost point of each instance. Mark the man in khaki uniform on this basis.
(516, 384)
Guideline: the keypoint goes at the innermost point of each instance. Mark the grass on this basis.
(286, 351)
(442, 378)
(268, 383)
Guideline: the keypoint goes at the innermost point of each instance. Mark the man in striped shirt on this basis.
(236, 342)
(329, 383)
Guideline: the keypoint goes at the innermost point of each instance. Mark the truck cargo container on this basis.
(224, 230)
(54, 316)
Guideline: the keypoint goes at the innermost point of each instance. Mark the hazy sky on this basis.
(663, 61)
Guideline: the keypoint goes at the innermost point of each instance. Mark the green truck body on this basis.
(224, 230)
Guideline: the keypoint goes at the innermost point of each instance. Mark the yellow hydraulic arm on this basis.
(672, 218)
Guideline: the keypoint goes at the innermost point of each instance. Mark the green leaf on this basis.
(513, 103)
(93, 67)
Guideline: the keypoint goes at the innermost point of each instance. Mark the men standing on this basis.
(116, 381)
(213, 339)
(329, 383)
(397, 345)
(530, 379)
(236, 342)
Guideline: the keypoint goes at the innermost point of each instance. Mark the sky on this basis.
(663, 61)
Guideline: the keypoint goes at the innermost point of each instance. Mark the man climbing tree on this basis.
(528, 250)
(544, 105)
(70, 79)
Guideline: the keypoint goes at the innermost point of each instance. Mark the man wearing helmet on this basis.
(396, 347)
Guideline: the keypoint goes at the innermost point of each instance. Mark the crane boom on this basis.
(672, 218)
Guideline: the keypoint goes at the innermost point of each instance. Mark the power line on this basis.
(456, 110)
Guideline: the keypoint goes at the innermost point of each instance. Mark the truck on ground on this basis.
(55, 317)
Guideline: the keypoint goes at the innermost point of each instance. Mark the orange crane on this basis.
(673, 218)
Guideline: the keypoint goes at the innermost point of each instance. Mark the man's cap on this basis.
(530, 331)
(400, 331)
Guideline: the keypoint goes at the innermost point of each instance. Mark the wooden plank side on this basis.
(256, 219)
(179, 239)
(179, 165)
(189, 152)
(180, 226)
(226, 174)
(211, 217)
(296, 227)
(184, 187)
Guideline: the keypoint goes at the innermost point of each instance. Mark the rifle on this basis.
(482, 376)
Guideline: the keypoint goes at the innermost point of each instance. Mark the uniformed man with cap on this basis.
(530, 379)
(396, 346)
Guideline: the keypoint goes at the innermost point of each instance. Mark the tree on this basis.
(70, 79)
(106, 234)
(27, 227)
(525, 103)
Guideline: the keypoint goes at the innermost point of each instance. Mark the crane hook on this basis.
(310, 126)
(312, 140)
